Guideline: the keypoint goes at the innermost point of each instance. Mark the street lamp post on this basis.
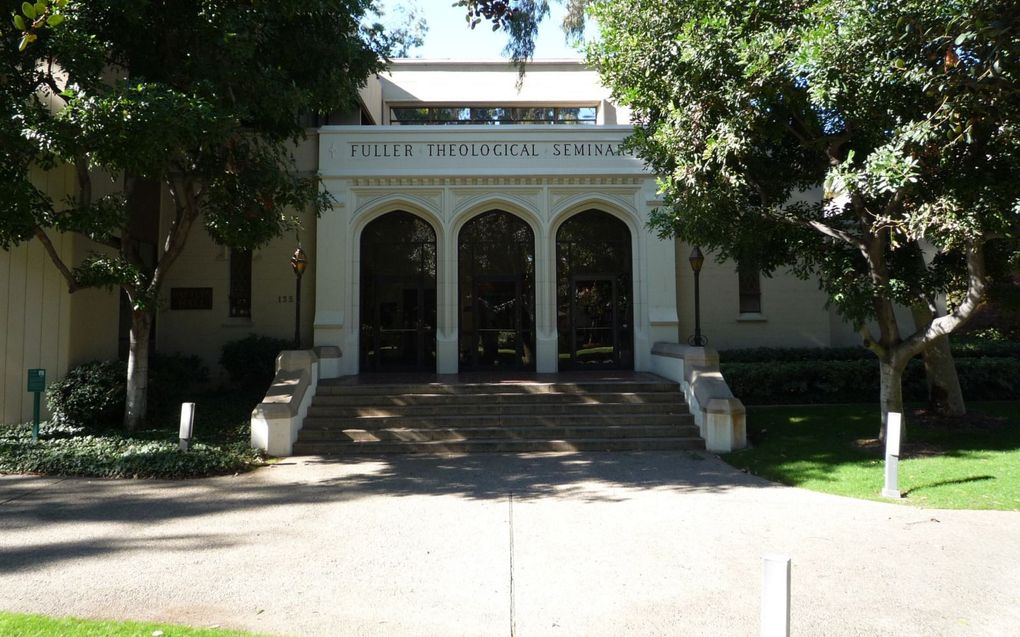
(697, 260)
(298, 262)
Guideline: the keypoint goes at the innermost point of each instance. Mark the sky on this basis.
(450, 37)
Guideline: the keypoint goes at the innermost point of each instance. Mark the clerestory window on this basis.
(493, 115)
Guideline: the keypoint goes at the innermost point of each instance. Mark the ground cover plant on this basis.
(220, 444)
(18, 625)
(971, 462)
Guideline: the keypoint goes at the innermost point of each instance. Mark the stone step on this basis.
(498, 446)
(426, 434)
(548, 398)
(496, 420)
(319, 410)
(326, 388)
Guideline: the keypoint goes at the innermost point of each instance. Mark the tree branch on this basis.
(977, 286)
(72, 285)
(186, 206)
(835, 233)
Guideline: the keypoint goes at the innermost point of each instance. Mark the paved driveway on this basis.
(530, 545)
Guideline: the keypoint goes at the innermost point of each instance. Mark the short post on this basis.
(893, 430)
(775, 596)
(36, 385)
(187, 425)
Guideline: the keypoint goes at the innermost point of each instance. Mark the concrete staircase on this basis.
(646, 413)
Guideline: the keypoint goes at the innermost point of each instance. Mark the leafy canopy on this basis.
(206, 97)
(839, 136)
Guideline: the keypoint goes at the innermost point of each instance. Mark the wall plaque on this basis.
(190, 298)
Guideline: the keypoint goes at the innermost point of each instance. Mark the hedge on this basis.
(963, 349)
(847, 381)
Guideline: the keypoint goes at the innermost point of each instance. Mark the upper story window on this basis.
(493, 115)
(749, 284)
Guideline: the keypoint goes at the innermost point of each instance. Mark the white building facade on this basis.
(478, 223)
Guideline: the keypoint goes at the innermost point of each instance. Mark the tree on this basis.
(520, 20)
(875, 146)
(204, 98)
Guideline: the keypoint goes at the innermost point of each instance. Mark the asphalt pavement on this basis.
(520, 545)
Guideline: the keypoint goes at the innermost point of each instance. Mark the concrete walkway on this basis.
(530, 545)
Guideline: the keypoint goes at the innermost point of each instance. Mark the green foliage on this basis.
(813, 376)
(221, 443)
(89, 396)
(174, 379)
(114, 457)
(836, 137)
(208, 99)
(960, 348)
(251, 361)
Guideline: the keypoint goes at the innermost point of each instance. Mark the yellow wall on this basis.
(205, 264)
(41, 325)
(793, 310)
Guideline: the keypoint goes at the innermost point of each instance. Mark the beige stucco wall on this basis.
(203, 263)
(494, 82)
(41, 324)
(793, 310)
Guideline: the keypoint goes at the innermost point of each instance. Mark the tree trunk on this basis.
(891, 393)
(137, 371)
(944, 394)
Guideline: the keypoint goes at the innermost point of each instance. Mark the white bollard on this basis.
(894, 427)
(775, 596)
(187, 424)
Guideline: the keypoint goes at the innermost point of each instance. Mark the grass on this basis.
(220, 445)
(18, 625)
(972, 463)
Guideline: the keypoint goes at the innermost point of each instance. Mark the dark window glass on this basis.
(240, 283)
(496, 268)
(594, 292)
(493, 115)
(749, 282)
(398, 294)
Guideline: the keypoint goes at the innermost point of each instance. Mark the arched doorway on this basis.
(496, 289)
(398, 294)
(594, 292)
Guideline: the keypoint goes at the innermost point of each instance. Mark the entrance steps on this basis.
(642, 412)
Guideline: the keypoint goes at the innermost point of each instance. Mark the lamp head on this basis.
(697, 259)
(299, 261)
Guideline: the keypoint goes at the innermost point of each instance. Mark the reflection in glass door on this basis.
(593, 293)
(496, 252)
(398, 294)
(594, 321)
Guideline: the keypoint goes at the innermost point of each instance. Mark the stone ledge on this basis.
(721, 417)
(276, 420)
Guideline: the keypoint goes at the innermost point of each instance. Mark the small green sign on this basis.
(37, 380)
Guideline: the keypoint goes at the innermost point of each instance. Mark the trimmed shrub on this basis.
(89, 396)
(846, 381)
(174, 379)
(961, 349)
(251, 361)
(92, 395)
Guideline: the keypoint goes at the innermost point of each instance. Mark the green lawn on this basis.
(18, 625)
(973, 463)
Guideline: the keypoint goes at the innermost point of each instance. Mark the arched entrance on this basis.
(398, 294)
(594, 292)
(496, 290)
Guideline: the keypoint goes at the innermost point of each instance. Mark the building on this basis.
(476, 225)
